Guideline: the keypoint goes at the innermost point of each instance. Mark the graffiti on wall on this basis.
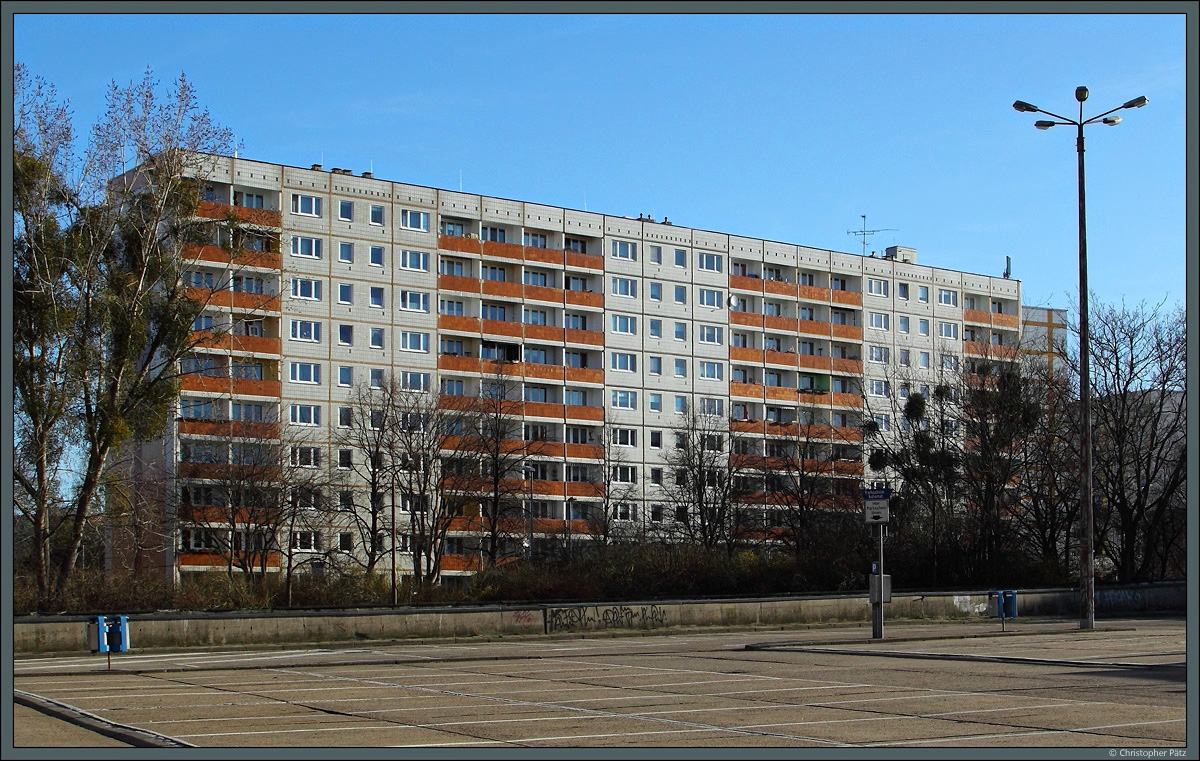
(605, 617)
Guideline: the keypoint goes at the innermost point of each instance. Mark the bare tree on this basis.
(702, 487)
(102, 314)
(1140, 420)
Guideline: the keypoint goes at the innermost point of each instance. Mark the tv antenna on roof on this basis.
(863, 233)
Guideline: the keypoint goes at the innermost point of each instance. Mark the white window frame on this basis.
(711, 298)
(417, 261)
(301, 200)
(624, 324)
(624, 362)
(877, 287)
(709, 262)
(879, 320)
(411, 219)
(623, 249)
(311, 327)
(624, 286)
(377, 208)
(414, 340)
(947, 297)
(301, 284)
(306, 414)
(308, 373)
(710, 334)
(623, 399)
(314, 247)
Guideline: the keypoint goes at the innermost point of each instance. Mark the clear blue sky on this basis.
(783, 127)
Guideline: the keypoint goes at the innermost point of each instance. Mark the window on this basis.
(656, 328)
(198, 279)
(536, 278)
(624, 286)
(247, 370)
(624, 511)
(903, 326)
(681, 368)
(493, 273)
(414, 301)
(904, 358)
(947, 297)
(924, 360)
(345, 375)
(248, 327)
(345, 416)
(624, 250)
(948, 329)
(710, 334)
(656, 291)
(306, 414)
(196, 409)
(377, 216)
(708, 262)
(878, 320)
(624, 324)
(712, 370)
(305, 372)
(306, 457)
(446, 306)
(575, 321)
(345, 293)
(535, 240)
(680, 294)
(535, 317)
(577, 245)
(711, 298)
(624, 400)
(414, 381)
(623, 361)
(877, 353)
(656, 402)
(624, 437)
(345, 459)
(376, 338)
(656, 439)
(493, 312)
(346, 335)
(624, 474)
(309, 206)
(883, 422)
(243, 284)
(376, 258)
(711, 405)
(575, 397)
(414, 341)
(377, 297)
(376, 378)
(902, 291)
(773, 309)
(656, 365)
(680, 404)
(837, 283)
(306, 330)
(346, 252)
(452, 387)
(413, 220)
(680, 331)
(877, 287)
(656, 254)
(247, 200)
(203, 322)
(493, 234)
(346, 211)
(923, 294)
(878, 388)
(949, 362)
(304, 288)
(923, 327)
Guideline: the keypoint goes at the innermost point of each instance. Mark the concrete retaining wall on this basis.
(68, 633)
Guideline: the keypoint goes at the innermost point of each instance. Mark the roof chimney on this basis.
(316, 167)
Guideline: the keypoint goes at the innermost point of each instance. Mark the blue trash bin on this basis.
(1008, 603)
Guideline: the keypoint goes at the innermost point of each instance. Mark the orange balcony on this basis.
(746, 426)
(814, 362)
(1005, 320)
(846, 433)
(237, 429)
(589, 337)
(458, 283)
(460, 562)
(584, 261)
(583, 489)
(977, 316)
(785, 358)
(542, 293)
(459, 243)
(585, 375)
(458, 323)
(976, 348)
(544, 333)
(547, 372)
(543, 409)
(262, 217)
(585, 451)
(813, 327)
(501, 328)
(813, 293)
(742, 354)
(846, 332)
(847, 468)
(782, 393)
(779, 287)
(234, 342)
(254, 302)
(458, 364)
(838, 399)
(238, 258)
(746, 318)
(584, 298)
(846, 366)
(547, 255)
(501, 289)
(748, 390)
(209, 384)
(786, 324)
(543, 448)
(744, 283)
(787, 430)
(216, 559)
(579, 412)
(503, 250)
(852, 298)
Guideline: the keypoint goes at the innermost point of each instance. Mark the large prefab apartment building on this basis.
(613, 331)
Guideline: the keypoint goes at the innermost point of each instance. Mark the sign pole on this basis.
(876, 511)
(877, 605)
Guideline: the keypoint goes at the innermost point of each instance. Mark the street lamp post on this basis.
(1087, 565)
(529, 473)
(570, 517)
